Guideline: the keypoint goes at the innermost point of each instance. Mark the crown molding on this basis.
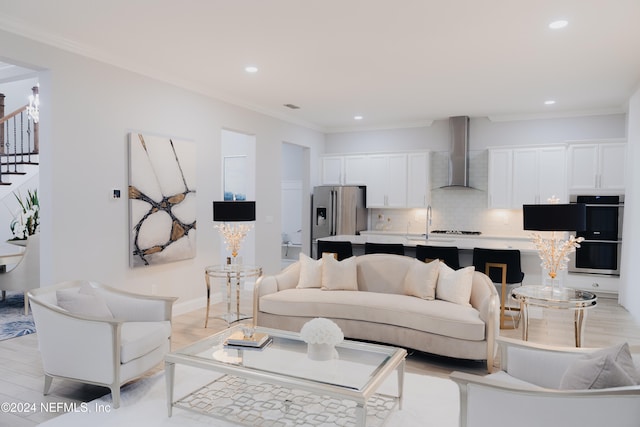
(557, 114)
(390, 126)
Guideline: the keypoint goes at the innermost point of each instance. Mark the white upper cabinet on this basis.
(529, 175)
(387, 186)
(393, 180)
(597, 167)
(356, 170)
(331, 170)
(552, 174)
(500, 178)
(418, 180)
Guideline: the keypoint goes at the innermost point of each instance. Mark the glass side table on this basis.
(547, 297)
(233, 275)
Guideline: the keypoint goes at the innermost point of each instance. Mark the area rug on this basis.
(427, 401)
(13, 322)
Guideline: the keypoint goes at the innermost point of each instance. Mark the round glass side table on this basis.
(548, 297)
(233, 275)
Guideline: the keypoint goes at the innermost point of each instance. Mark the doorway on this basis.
(293, 202)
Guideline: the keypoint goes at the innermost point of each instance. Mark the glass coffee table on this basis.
(561, 298)
(281, 381)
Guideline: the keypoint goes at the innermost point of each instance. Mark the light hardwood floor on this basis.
(21, 376)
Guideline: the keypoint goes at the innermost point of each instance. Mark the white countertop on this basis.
(462, 242)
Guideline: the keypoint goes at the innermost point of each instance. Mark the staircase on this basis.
(19, 148)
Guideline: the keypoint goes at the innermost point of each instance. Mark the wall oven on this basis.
(599, 253)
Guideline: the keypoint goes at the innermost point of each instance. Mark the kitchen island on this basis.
(465, 243)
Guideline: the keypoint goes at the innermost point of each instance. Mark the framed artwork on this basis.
(162, 199)
(235, 177)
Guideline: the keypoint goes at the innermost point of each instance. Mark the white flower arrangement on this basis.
(554, 253)
(26, 220)
(321, 331)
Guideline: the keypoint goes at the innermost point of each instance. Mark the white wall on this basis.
(629, 294)
(88, 108)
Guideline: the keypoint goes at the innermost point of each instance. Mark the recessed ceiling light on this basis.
(549, 102)
(560, 23)
(357, 117)
(251, 69)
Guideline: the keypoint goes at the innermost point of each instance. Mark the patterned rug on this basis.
(13, 322)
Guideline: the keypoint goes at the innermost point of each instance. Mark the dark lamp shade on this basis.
(555, 217)
(232, 211)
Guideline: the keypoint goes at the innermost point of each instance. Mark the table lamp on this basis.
(234, 212)
(555, 217)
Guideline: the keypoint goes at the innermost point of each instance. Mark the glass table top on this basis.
(546, 296)
(286, 356)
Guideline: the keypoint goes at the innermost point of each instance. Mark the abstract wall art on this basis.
(162, 199)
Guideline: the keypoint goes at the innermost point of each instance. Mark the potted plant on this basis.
(26, 221)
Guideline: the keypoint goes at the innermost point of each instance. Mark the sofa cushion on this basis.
(383, 273)
(595, 373)
(310, 272)
(437, 317)
(83, 301)
(421, 279)
(339, 275)
(140, 338)
(455, 285)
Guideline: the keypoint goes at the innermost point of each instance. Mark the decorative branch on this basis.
(554, 253)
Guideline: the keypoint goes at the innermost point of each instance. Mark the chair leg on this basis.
(26, 303)
(115, 396)
(48, 379)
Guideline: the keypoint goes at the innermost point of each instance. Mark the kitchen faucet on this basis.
(429, 217)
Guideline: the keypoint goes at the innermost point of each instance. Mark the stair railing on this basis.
(19, 143)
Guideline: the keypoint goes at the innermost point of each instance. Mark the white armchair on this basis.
(525, 392)
(26, 274)
(102, 336)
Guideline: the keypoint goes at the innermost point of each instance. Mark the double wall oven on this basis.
(599, 253)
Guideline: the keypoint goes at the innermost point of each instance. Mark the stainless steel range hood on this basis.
(459, 152)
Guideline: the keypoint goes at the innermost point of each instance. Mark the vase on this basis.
(321, 352)
(555, 284)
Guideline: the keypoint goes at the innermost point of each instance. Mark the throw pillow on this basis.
(339, 275)
(622, 356)
(78, 302)
(310, 272)
(595, 373)
(421, 279)
(454, 285)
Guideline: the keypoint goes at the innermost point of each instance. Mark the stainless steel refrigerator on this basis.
(338, 210)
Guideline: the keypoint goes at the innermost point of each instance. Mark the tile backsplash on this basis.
(454, 208)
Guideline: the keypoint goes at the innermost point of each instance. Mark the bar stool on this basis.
(502, 266)
(384, 248)
(446, 254)
(342, 249)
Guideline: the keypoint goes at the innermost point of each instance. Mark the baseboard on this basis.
(194, 304)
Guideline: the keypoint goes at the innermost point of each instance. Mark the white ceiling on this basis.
(397, 63)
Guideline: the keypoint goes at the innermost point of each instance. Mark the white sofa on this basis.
(381, 311)
(527, 390)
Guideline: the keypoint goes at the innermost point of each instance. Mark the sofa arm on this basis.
(486, 401)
